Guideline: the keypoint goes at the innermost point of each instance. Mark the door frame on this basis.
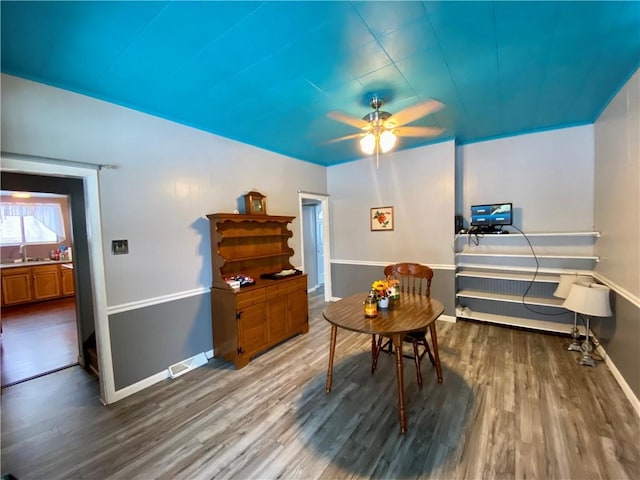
(89, 175)
(326, 250)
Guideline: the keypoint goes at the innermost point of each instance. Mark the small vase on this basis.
(383, 302)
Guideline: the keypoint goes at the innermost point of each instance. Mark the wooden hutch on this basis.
(250, 319)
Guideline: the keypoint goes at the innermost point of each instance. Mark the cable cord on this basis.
(473, 237)
(532, 281)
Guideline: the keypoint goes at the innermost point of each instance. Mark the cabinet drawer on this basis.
(247, 299)
(9, 272)
(299, 283)
(286, 286)
(277, 289)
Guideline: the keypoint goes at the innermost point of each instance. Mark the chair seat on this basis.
(420, 334)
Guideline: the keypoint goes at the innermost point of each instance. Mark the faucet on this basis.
(23, 252)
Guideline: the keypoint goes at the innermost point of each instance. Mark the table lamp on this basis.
(589, 299)
(564, 287)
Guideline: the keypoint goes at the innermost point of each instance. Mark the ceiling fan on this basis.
(380, 129)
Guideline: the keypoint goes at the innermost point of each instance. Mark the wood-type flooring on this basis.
(514, 405)
(37, 338)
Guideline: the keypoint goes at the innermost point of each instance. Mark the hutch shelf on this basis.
(253, 318)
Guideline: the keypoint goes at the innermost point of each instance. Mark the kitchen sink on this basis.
(28, 260)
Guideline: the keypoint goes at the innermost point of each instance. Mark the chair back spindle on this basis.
(414, 278)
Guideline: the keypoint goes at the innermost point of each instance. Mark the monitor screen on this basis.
(491, 214)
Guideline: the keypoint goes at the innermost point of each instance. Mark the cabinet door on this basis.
(276, 311)
(46, 282)
(16, 286)
(298, 312)
(252, 329)
(68, 286)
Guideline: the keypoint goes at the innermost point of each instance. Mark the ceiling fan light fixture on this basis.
(387, 141)
(368, 143)
(380, 129)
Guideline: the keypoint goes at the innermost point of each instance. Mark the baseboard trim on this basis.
(635, 402)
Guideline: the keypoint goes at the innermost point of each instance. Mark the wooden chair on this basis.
(414, 279)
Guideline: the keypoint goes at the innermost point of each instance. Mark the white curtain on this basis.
(50, 214)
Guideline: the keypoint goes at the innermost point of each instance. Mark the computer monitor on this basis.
(491, 217)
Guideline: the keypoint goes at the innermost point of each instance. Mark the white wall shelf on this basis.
(542, 325)
(495, 271)
(526, 255)
(537, 234)
(502, 275)
(503, 297)
(463, 269)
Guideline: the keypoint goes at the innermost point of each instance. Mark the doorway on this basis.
(316, 256)
(312, 224)
(80, 182)
(40, 328)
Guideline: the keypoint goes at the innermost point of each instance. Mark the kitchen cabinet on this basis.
(67, 280)
(46, 282)
(24, 284)
(16, 286)
(251, 319)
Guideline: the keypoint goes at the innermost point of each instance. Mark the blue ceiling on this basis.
(267, 73)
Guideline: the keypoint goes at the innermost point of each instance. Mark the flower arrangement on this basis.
(384, 288)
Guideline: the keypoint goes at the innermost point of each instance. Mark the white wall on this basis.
(418, 183)
(548, 176)
(617, 188)
(167, 177)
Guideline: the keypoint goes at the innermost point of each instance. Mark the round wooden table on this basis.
(412, 313)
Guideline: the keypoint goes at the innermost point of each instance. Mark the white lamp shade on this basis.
(387, 141)
(566, 281)
(589, 299)
(368, 143)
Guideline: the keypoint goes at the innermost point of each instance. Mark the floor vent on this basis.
(187, 365)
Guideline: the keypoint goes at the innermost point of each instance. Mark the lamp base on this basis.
(587, 360)
(587, 348)
(574, 346)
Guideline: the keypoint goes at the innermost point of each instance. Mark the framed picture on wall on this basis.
(381, 219)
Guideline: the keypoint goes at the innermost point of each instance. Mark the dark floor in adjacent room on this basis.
(38, 338)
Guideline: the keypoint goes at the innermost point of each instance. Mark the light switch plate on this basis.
(119, 247)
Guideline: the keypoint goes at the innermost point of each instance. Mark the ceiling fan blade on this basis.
(346, 137)
(353, 121)
(410, 114)
(418, 131)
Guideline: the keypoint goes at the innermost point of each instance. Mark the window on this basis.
(30, 223)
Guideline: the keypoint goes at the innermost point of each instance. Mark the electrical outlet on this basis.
(119, 247)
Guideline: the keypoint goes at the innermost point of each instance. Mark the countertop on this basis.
(32, 263)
